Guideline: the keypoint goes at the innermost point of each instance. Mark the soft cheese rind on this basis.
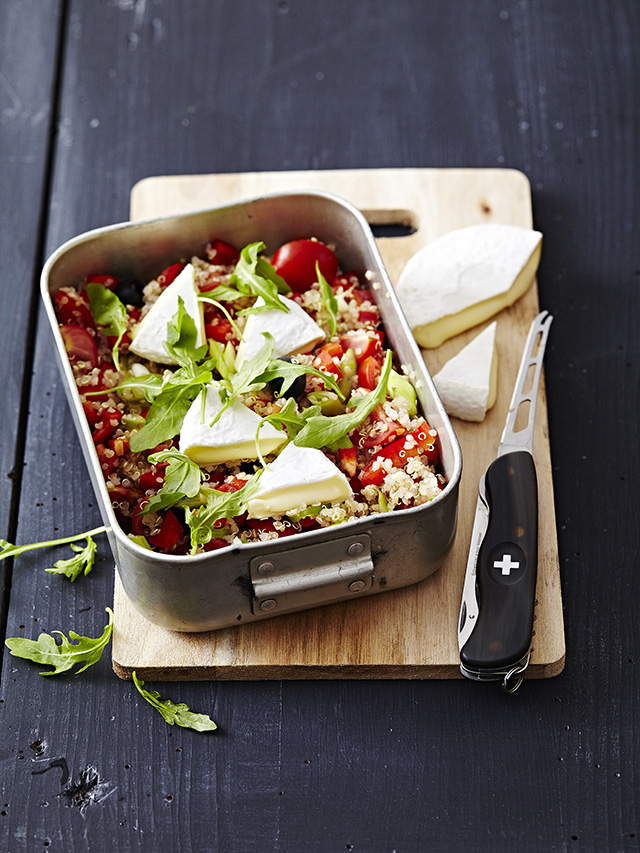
(298, 477)
(467, 383)
(151, 332)
(232, 437)
(293, 331)
(466, 277)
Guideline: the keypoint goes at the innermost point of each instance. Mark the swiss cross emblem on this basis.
(506, 564)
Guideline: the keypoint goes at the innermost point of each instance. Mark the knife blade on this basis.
(498, 598)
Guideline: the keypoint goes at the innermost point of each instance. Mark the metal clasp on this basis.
(312, 575)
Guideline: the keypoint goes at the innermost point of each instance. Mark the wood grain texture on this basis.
(28, 67)
(408, 633)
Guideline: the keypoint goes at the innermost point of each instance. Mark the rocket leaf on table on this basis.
(83, 560)
(175, 714)
(66, 655)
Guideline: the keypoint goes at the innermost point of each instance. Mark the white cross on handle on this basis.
(506, 564)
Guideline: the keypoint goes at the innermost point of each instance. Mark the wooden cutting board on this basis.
(407, 633)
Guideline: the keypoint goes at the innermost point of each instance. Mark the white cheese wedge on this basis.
(466, 277)
(231, 437)
(293, 331)
(467, 383)
(151, 332)
(298, 477)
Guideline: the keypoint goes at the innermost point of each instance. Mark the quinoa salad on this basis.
(241, 398)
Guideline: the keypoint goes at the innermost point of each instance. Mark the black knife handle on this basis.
(506, 568)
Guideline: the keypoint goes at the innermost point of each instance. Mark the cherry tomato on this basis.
(348, 458)
(363, 342)
(221, 253)
(383, 429)
(420, 441)
(170, 532)
(79, 344)
(74, 310)
(107, 459)
(369, 373)
(169, 274)
(110, 419)
(296, 263)
(219, 329)
(324, 360)
(148, 480)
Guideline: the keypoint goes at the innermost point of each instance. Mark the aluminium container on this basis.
(255, 581)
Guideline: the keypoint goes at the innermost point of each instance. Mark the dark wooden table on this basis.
(97, 95)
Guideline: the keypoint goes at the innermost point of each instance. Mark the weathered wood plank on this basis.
(28, 66)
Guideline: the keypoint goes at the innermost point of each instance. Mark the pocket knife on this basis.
(495, 627)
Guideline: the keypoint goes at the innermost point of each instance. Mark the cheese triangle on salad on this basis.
(151, 332)
(299, 477)
(467, 383)
(232, 436)
(293, 331)
(466, 277)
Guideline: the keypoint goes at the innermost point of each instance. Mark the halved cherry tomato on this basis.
(324, 360)
(107, 459)
(219, 329)
(369, 373)
(79, 344)
(382, 430)
(74, 310)
(363, 342)
(149, 480)
(348, 459)
(169, 274)
(420, 441)
(221, 253)
(296, 263)
(170, 532)
(110, 420)
(107, 281)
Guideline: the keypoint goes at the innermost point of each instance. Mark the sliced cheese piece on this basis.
(467, 383)
(151, 332)
(298, 477)
(466, 277)
(231, 437)
(293, 331)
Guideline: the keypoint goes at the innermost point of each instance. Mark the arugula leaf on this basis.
(330, 301)
(109, 313)
(165, 417)
(10, 550)
(182, 479)
(247, 379)
(182, 338)
(150, 385)
(289, 372)
(218, 505)
(288, 418)
(256, 277)
(84, 559)
(65, 656)
(321, 431)
(179, 714)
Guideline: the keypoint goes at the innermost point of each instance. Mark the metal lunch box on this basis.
(259, 580)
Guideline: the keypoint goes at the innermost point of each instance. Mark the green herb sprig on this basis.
(66, 655)
(175, 714)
